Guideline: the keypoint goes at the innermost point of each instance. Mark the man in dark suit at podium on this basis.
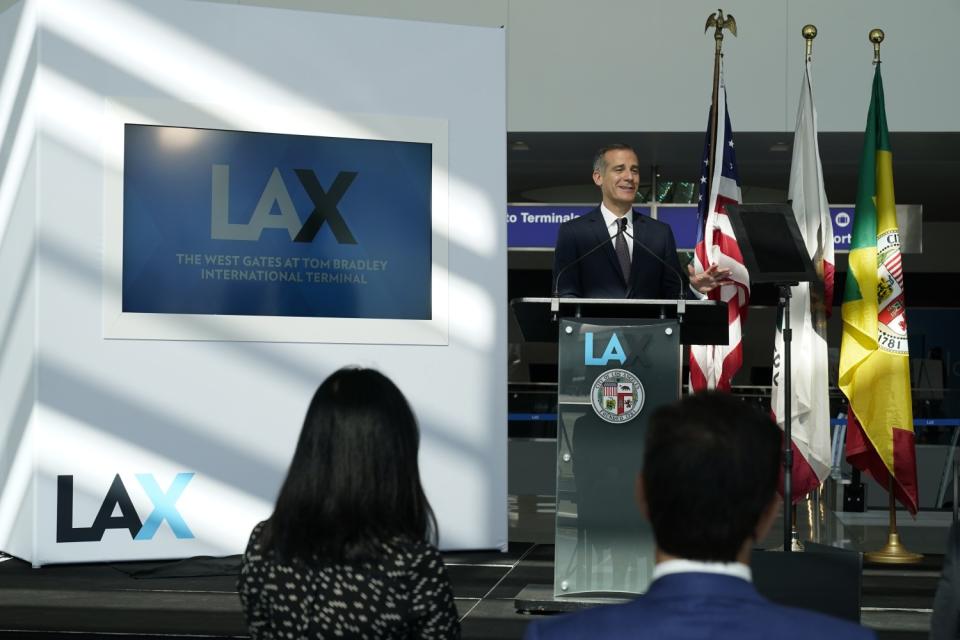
(708, 487)
(615, 252)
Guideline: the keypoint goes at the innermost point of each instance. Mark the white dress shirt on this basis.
(680, 565)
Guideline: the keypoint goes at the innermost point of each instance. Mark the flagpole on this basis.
(809, 32)
(876, 37)
(788, 511)
(715, 96)
(791, 535)
(711, 366)
(791, 540)
(893, 552)
(719, 22)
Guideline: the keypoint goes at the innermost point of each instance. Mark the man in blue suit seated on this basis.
(708, 487)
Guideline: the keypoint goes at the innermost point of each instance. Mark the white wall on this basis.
(18, 290)
(623, 65)
(231, 411)
(620, 65)
(919, 55)
(488, 13)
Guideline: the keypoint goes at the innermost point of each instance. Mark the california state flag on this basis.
(809, 307)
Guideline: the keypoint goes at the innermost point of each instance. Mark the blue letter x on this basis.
(164, 506)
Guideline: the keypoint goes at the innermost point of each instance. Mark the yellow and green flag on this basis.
(874, 358)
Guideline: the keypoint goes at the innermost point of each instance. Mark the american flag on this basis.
(713, 366)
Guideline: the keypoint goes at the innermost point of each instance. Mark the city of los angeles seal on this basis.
(617, 396)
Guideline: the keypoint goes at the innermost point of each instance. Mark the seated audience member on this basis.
(346, 553)
(945, 621)
(708, 487)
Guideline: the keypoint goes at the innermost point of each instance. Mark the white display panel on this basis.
(267, 118)
(150, 411)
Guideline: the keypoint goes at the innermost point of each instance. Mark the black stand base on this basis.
(539, 598)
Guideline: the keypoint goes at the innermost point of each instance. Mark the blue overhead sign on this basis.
(534, 226)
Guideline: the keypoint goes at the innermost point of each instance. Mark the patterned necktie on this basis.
(623, 252)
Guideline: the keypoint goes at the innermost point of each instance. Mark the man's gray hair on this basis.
(600, 159)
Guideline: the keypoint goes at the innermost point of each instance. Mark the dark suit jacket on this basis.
(945, 622)
(598, 275)
(696, 605)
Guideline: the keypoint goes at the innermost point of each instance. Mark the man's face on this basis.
(620, 177)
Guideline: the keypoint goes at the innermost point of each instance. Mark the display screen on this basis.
(262, 224)
(770, 243)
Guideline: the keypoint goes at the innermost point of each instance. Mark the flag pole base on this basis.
(795, 544)
(893, 553)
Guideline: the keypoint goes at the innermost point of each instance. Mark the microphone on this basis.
(555, 305)
(681, 297)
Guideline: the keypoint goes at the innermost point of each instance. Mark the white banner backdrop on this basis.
(197, 434)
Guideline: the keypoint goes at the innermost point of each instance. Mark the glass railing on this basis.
(532, 409)
(850, 510)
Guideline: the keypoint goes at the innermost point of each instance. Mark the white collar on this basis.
(681, 565)
(610, 218)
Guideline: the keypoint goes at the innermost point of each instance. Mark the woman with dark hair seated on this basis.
(346, 553)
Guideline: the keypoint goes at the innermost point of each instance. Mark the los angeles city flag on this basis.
(874, 359)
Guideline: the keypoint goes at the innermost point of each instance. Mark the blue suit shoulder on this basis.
(791, 622)
(579, 221)
(733, 618)
(653, 226)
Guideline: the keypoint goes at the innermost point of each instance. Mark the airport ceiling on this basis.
(555, 167)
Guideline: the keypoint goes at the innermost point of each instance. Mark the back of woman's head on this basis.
(353, 482)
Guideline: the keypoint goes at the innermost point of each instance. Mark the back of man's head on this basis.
(710, 472)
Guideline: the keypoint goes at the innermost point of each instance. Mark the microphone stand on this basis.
(681, 297)
(784, 305)
(555, 303)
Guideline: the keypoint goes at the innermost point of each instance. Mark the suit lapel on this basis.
(600, 232)
(639, 255)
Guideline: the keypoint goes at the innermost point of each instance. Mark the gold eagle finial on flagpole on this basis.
(720, 22)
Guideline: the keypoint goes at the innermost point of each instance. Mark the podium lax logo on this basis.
(276, 196)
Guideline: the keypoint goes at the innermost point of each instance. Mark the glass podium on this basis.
(602, 542)
(618, 361)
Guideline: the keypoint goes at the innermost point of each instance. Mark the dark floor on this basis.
(197, 598)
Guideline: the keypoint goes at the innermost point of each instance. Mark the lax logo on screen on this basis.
(118, 499)
(276, 196)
